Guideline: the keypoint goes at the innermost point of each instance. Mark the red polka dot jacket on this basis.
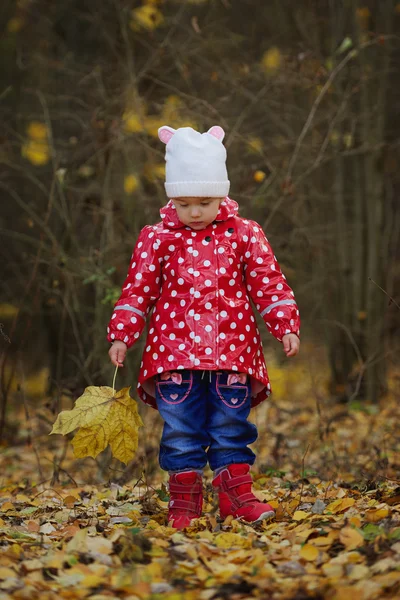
(197, 286)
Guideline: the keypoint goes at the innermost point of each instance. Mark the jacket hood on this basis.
(228, 208)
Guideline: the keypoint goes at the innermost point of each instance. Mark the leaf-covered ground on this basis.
(331, 471)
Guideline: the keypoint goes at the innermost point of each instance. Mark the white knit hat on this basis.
(195, 162)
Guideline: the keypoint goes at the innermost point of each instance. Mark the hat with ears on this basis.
(195, 162)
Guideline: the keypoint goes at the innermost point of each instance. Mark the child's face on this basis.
(197, 213)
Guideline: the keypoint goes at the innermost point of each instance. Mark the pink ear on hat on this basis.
(165, 133)
(217, 132)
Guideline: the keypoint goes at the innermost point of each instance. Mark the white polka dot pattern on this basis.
(198, 285)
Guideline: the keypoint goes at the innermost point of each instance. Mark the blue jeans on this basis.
(205, 418)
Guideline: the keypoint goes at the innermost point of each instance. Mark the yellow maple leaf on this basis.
(104, 417)
(271, 60)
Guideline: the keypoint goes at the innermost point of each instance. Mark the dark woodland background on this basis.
(308, 93)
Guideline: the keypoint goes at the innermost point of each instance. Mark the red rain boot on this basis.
(236, 498)
(186, 498)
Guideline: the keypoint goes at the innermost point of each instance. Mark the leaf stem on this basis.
(115, 375)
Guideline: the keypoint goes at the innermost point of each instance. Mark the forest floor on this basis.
(96, 530)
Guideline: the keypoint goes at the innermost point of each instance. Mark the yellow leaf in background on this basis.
(346, 503)
(397, 8)
(259, 176)
(36, 152)
(7, 311)
(23, 498)
(358, 572)
(172, 113)
(329, 64)
(131, 183)
(309, 552)
(14, 25)
(37, 131)
(229, 540)
(363, 12)
(154, 172)
(146, 17)
(355, 520)
(348, 140)
(133, 121)
(152, 124)
(32, 565)
(340, 505)
(7, 506)
(362, 315)
(334, 137)
(271, 60)
(375, 515)
(104, 417)
(332, 570)
(254, 144)
(363, 17)
(6, 572)
(351, 538)
(172, 108)
(79, 542)
(299, 515)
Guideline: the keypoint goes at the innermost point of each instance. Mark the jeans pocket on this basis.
(232, 393)
(173, 391)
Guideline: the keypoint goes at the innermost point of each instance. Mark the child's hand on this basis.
(291, 344)
(117, 353)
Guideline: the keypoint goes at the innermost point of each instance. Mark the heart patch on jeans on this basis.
(173, 396)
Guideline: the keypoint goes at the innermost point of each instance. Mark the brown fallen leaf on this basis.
(392, 499)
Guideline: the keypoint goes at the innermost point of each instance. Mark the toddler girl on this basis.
(203, 367)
